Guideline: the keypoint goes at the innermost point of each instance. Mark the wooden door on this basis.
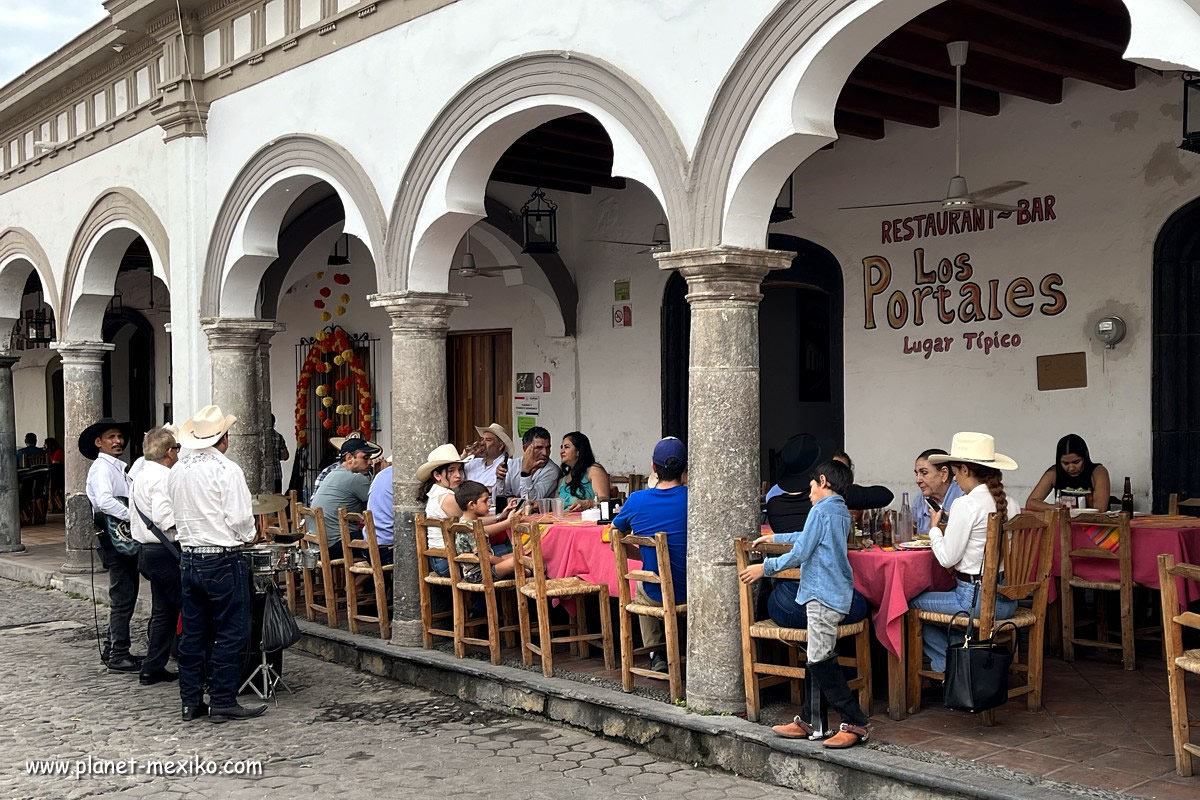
(478, 382)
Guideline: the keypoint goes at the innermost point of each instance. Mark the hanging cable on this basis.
(187, 66)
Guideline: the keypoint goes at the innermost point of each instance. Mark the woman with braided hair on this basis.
(958, 543)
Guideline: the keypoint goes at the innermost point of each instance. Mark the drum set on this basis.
(266, 560)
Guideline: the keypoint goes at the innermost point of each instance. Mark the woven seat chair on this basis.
(362, 558)
(427, 579)
(1179, 660)
(1024, 546)
(276, 529)
(1181, 504)
(760, 674)
(1123, 586)
(312, 522)
(498, 595)
(669, 612)
(540, 590)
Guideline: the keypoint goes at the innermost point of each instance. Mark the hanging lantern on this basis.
(337, 259)
(540, 216)
(782, 211)
(39, 326)
(1191, 112)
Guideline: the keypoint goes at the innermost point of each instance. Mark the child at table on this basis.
(473, 498)
(825, 590)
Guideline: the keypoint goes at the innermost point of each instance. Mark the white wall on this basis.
(29, 392)
(1110, 161)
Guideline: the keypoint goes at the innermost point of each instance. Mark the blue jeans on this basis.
(964, 597)
(786, 612)
(440, 566)
(216, 622)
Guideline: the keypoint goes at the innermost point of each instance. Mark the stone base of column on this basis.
(12, 548)
(407, 633)
(714, 665)
(81, 537)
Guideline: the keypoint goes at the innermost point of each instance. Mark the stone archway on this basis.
(442, 193)
(245, 238)
(19, 254)
(775, 107)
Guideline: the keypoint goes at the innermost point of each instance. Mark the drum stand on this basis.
(264, 672)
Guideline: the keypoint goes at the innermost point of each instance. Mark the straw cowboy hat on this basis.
(87, 439)
(205, 428)
(975, 448)
(500, 434)
(440, 457)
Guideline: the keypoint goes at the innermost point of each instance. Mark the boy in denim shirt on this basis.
(826, 590)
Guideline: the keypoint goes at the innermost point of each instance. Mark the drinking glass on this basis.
(557, 507)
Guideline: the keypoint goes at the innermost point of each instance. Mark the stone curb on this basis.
(729, 743)
(12, 569)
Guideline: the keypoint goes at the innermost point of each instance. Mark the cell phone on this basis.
(934, 505)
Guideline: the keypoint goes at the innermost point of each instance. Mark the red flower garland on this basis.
(339, 343)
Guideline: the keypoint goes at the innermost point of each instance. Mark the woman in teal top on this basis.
(583, 481)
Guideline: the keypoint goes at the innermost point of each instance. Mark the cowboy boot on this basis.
(853, 728)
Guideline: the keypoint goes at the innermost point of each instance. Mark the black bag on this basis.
(279, 630)
(976, 670)
(116, 533)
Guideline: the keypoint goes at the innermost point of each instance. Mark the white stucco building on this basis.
(206, 168)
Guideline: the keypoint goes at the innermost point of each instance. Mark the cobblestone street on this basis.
(342, 734)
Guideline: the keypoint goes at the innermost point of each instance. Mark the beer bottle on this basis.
(1127, 499)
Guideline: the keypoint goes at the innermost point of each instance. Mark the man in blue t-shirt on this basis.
(662, 508)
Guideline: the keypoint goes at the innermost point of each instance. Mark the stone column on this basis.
(419, 424)
(83, 404)
(10, 492)
(723, 457)
(233, 350)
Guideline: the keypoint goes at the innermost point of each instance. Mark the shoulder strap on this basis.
(174, 550)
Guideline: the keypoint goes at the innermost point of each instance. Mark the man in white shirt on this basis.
(151, 506)
(136, 466)
(108, 490)
(491, 453)
(211, 503)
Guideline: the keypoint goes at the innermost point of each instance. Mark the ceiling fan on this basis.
(958, 197)
(468, 269)
(660, 240)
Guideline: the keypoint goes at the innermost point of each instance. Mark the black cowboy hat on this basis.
(87, 439)
(800, 455)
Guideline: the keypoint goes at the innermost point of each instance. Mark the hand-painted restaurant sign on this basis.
(949, 291)
(952, 223)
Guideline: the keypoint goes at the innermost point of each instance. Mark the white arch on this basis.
(795, 117)
(455, 200)
(255, 243)
(96, 282)
(14, 274)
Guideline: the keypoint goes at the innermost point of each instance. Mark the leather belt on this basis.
(962, 576)
(211, 551)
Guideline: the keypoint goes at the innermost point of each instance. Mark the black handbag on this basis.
(279, 629)
(976, 670)
(116, 532)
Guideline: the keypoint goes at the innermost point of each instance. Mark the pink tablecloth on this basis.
(579, 551)
(889, 580)
(1152, 536)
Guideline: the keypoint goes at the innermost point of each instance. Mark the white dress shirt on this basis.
(135, 468)
(961, 546)
(106, 481)
(151, 498)
(477, 469)
(210, 500)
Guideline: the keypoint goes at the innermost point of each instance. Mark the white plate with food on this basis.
(915, 544)
(1075, 512)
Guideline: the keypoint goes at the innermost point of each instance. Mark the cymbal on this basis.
(267, 503)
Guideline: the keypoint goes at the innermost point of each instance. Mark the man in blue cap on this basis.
(661, 508)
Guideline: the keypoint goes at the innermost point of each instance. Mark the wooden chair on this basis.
(541, 590)
(1179, 660)
(361, 557)
(276, 529)
(753, 631)
(427, 579)
(497, 595)
(313, 520)
(628, 608)
(33, 489)
(1124, 586)
(1024, 546)
(1175, 504)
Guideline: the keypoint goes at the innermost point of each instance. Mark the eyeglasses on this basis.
(176, 446)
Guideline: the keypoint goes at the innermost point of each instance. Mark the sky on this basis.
(30, 30)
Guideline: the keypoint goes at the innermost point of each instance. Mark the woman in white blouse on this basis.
(958, 542)
(440, 475)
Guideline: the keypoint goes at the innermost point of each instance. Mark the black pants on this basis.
(216, 627)
(123, 579)
(161, 568)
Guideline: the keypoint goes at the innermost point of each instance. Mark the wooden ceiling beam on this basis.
(871, 103)
(1005, 40)
(863, 127)
(922, 87)
(924, 55)
(552, 184)
(535, 165)
(1087, 25)
(555, 149)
